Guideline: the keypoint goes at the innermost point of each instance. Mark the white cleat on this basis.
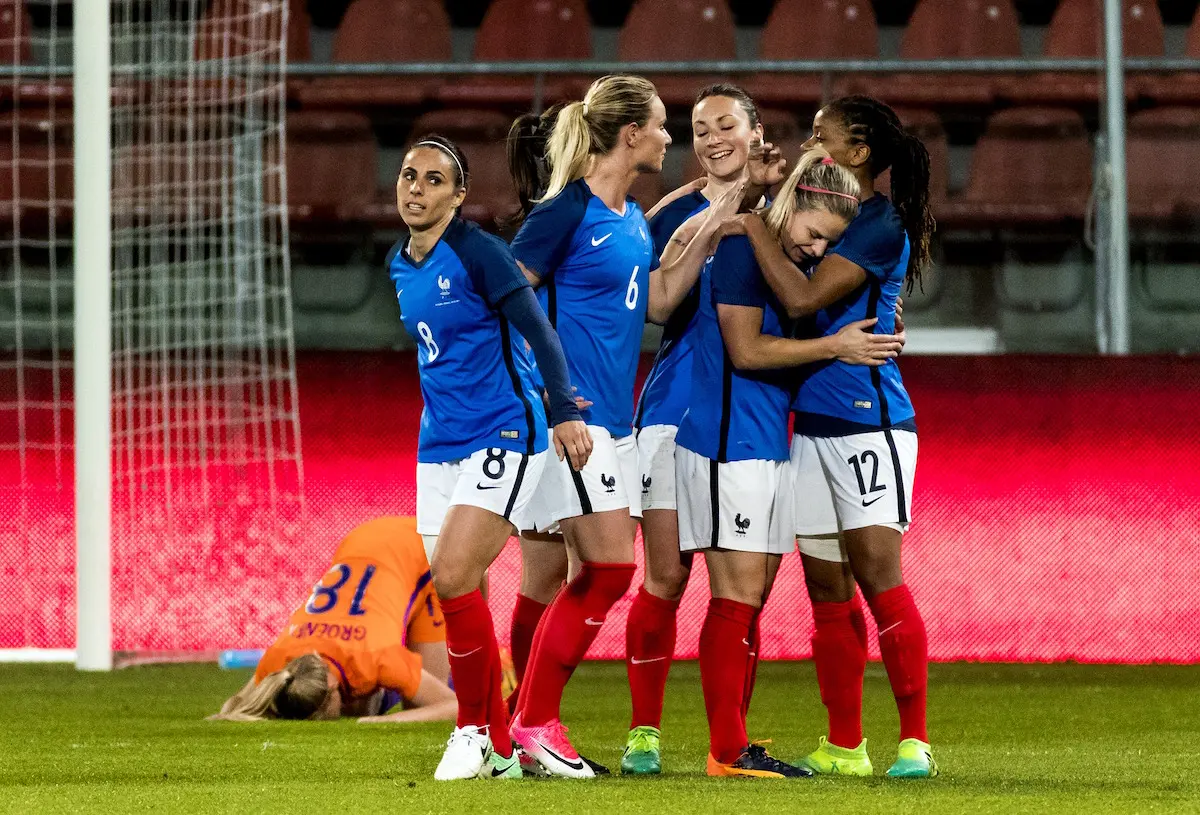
(466, 754)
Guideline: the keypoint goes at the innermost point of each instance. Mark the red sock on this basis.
(566, 632)
(724, 657)
(905, 653)
(497, 709)
(751, 665)
(470, 643)
(526, 616)
(649, 648)
(841, 659)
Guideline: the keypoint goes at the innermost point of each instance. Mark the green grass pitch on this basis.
(1051, 738)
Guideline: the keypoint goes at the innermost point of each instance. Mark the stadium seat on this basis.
(331, 165)
(812, 29)
(532, 30)
(1163, 143)
(15, 28)
(982, 29)
(1032, 166)
(239, 28)
(1076, 30)
(37, 159)
(1177, 88)
(699, 30)
(384, 31)
(480, 134)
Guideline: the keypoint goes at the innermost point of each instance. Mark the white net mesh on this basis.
(206, 448)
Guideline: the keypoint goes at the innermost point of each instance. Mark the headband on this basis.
(430, 143)
(827, 192)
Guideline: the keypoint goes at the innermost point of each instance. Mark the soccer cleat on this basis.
(829, 759)
(465, 756)
(529, 764)
(508, 674)
(914, 760)
(549, 746)
(756, 762)
(642, 752)
(597, 767)
(499, 767)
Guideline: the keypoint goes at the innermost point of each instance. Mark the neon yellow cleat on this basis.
(914, 760)
(829, 759)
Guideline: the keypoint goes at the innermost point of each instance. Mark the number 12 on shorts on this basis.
(860, 463)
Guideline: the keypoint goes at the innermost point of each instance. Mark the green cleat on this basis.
(642, 756)
(497, 767)
(914, 760)
(829, 759)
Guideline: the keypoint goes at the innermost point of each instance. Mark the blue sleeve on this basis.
(491, 267)
(546, 235)
(736, 278)
(523, 311)
(873, 243)
(391, 255)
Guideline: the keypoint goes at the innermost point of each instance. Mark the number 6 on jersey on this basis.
(631, 295)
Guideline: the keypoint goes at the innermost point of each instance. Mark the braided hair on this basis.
(869, 121)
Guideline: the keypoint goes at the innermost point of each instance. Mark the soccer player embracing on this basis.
(730, 465)
(482, 445)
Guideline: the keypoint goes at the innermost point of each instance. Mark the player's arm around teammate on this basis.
(732, 446)
(854, 453)
(483, 434)
(725, 125)
(588, 244)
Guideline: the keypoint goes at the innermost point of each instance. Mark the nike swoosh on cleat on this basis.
(480, 486)
(463, 656)
(637, 661)
(598, 241)
(574, 765)
(499, 771)
(867, 503)
(590, 621)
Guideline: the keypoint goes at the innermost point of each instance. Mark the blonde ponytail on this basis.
(816, 183)
(569, 149)
(592, 127)
(297, 691)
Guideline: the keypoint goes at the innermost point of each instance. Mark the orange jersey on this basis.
(374, 600)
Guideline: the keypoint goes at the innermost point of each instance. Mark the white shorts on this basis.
(497, 480)
(738, 505)
(656, 462)
(608, 481)
(851, 482)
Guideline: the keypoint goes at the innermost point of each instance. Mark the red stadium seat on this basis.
(526, 30)
(698, 30)
(36, 175)
(1077, 31)
(812, 29)
(1177, 88)
(1031, 166)
(384, 31)
(331, 164)
(982, 29)
(239, 28)
(15, 27)
(480, 134)
(1162, 142)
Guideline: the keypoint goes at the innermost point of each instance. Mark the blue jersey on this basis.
(595, 265)
(837, 399)
(668, 386)
(476, 378)
(735, 415)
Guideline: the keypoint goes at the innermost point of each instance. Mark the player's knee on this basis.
(825, 590)
(877, 575)
(453, 577)
(668, 582)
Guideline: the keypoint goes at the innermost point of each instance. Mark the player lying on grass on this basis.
(370, 635)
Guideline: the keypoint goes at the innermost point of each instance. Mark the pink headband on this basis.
(827, 192)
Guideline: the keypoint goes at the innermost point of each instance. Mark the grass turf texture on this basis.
(1058, 738)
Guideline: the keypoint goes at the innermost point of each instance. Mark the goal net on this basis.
(206, 468)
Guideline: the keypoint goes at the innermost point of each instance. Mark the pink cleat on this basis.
(549, 746)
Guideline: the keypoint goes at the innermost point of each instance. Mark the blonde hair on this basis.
(592, 127)
(817, 183)
(297, 691)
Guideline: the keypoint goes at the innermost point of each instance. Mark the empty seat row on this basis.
(1031, 166)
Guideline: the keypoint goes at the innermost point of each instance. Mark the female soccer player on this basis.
(725, 125)
(732, 443)
(369, 636)
(589, 244)
(483, 431)
(855, 450)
